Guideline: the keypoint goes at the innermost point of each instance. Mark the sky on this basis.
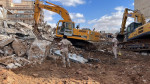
(103, 15)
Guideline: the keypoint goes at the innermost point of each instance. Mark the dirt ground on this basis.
(130, 68)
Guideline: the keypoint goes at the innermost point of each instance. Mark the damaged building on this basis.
(22, 12)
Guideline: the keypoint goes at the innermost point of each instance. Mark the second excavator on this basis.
(79, 37)
(136, 36)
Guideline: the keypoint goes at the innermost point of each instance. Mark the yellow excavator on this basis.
(66, 27)
(136, 36)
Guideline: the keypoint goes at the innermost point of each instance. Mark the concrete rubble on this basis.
(19, 46)
(38, 50)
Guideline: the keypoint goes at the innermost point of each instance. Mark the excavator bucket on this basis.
(120, 37)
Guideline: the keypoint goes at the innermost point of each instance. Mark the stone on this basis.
(7, 59)
(22, 61)
(17, 64)
(3, 37)
(10, 31)
(38, 49)
(35, 75)
(8, 51)
(19, 47)
(78, 72)
(5, 42)
(144, 54)
(25, 25)
(1, 52)
(11, 66)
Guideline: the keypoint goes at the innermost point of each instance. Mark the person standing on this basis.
(65, 48)
(115, 46)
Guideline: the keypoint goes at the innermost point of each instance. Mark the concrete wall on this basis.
(143, 6)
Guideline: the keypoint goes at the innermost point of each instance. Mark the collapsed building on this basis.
(22, 12)
(18, 44)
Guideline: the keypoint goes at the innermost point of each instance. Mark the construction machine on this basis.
(136, 36)
(80, 37)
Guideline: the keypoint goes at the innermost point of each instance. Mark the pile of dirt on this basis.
(9, 77)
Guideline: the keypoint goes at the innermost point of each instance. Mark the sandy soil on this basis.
(130, 68)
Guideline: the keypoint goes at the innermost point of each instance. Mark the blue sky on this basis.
(104, 15)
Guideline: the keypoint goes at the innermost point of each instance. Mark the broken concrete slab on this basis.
(19, 47)
(17, 64)
(25, 25)
(47, 37)
(73, 57)
(37, 51)
(7, 59)
(10, 31)
(22, 61)
(3, 37)
(5, 42)
(11, 66)
(1, 52)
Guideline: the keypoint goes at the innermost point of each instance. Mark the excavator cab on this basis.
(65, 28)
(131, 28)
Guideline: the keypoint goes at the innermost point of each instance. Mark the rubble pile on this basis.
(19, 46)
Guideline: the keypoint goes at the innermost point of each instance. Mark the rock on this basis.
(8, 51)
(17, 64)
(144, 53)
(19, 47)
(11, 66)
(1, 52)
(47, 37)
(38, 49)
(22, 61)
(35, 75)
(5, 42)
(3, 37)
(92, 60)
(25, 25)
(10, 31)
(7, 59)
(79, 72)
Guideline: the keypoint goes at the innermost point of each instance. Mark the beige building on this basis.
(23, 12)
(5, 3)
(143, 6)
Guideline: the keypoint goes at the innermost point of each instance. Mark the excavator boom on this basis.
(52, 7)
(138, 17)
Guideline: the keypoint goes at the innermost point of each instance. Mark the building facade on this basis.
(5, 3)
(22, 12)
(143, 6)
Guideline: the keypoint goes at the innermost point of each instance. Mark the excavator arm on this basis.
(51, 7)
(138, 17)
(124, 20)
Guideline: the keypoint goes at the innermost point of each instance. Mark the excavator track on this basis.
(139, 45)
(83, 44)
(80, 44)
